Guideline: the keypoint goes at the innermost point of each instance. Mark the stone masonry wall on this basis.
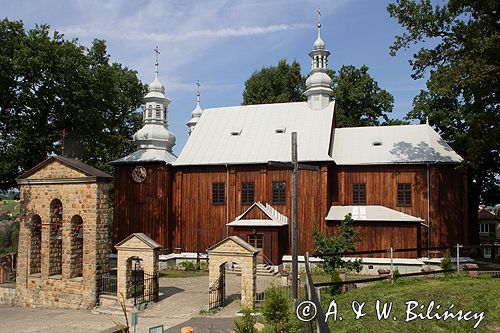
(89, 201)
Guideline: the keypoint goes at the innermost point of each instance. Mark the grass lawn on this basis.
(476, 294)
(181, 274)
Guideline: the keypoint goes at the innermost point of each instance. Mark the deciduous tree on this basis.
(50, 85)
(460, 53)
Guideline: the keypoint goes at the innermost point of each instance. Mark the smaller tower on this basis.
(196, 114)
(318, 84)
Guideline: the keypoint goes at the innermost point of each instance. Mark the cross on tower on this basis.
(157, 51)
(319, 16)
(198, 87)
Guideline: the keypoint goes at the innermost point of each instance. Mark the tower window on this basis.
(247, 193)
(158, 112)
(150, 111)
(218, 193)
(279, 193)
(359, 194)
(404, 194)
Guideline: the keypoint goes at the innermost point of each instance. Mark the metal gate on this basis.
(144, 287)
(216, 292)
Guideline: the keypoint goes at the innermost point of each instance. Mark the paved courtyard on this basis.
(181, 301)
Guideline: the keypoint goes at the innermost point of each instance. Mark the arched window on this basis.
(35, 245)
(76, 246)
(56, 223)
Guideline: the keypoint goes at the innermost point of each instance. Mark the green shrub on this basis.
(335, 289)
(187, 266)
(446, 262)
(246, 324)
(278, 312)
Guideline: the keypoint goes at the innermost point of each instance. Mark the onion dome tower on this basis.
(154, 141)
(318, 84)
(196, 114)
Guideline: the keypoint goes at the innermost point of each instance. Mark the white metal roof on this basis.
(147, 155)
(246, 134)
(391, 144)
(276, 219)
(369, 213)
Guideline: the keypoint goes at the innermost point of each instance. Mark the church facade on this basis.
(400, 183)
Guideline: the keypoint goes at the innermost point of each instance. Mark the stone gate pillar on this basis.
(235, 249)
(137, 245)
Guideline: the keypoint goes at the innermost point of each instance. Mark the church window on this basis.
(76, 246)
(35, 245)
(359, 194)
(247, 193)
(218, 193)
(55, 256)
(279, 193)
(404, 194)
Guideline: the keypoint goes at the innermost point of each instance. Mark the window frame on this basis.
(218, 193)
(247, 193)
(486, 228)
(279, 192)
(404, 195)
(359, 194)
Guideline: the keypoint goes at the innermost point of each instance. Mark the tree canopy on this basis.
(50, 86)
(275, 84)
(359, 99)
(460, 53)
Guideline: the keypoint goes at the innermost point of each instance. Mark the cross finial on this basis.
(157, 51)
(319, 17)
(63, 136)
(198, 91)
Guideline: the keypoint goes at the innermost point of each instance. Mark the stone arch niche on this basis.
(76, 246)
(35, 263)
(236, 250)
(55, 243)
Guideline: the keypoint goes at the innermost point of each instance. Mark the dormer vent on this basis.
(377, 143)
(280, 130)
(236, 132)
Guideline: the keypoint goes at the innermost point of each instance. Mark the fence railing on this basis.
(108, 284)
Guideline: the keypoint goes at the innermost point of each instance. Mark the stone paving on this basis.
(180, 304)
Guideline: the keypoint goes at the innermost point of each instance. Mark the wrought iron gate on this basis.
(216, 292)
(144, 287)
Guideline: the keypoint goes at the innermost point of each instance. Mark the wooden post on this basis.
(295, 229)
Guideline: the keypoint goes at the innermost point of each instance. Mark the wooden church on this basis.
(400, 183)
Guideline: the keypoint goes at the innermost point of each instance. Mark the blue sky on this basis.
(222, 42)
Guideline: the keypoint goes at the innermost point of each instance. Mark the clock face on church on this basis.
(139, 174)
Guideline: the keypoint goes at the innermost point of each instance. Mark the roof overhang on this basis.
(370, 214)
